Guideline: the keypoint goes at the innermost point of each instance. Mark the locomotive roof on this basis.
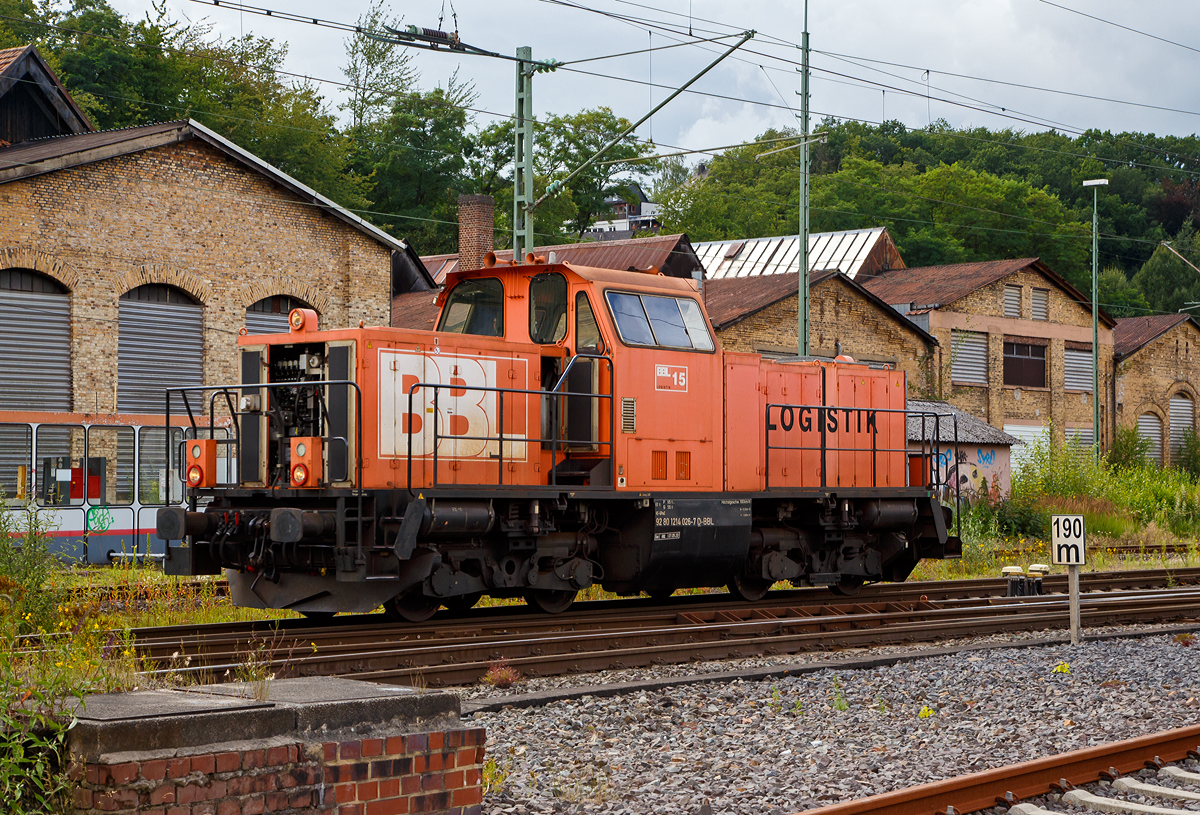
(646, 279)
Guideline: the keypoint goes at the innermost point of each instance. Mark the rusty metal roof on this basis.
(933, 287)
(732, 299)
(417, 310)
(10, 55)
(852, 252)
(671, 254)
(1134, 333)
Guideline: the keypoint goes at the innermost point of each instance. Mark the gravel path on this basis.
(802, 742)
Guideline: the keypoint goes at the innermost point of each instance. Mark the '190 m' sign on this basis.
(1068, 540)
(851, 420)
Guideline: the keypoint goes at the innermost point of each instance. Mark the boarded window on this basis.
(969, 354)
(1182, 420)
(1041, 304)
(1077, 370)
(1012, 301)
(1024, 365)
(270, 314)
(160, 345)
(35, 328)
(1149, 427)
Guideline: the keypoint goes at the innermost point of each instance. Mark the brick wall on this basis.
(189, 216)
(837, 314)
(436, 772)
(998, 404)
(1168, 366)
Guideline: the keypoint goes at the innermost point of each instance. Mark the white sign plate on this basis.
(1068, 540)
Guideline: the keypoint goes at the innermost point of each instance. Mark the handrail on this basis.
(357, 487)
(554, 441)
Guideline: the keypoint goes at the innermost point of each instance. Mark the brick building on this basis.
(759, 314)
(129, 262)
(1158, 364)
(1015, 343)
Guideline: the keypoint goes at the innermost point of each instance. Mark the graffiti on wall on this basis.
(973, 470)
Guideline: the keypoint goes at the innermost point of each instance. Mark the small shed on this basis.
(972, 455)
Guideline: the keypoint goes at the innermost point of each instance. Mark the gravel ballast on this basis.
(801, 742)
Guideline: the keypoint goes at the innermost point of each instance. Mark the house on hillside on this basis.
(855, 253)
(760, 315)
(1158, 371)
(1015, 343)
(627, 215)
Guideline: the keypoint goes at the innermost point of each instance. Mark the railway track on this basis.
(625, 634)
(1123, 549)
(1106, 769)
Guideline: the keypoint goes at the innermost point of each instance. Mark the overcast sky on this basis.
(1025, 42)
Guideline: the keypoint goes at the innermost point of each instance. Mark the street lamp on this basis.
(1095, 184)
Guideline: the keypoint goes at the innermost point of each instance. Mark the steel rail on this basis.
(507, 615)
(714, 635)
(1007, 785)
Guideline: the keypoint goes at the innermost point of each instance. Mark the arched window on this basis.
(35, 342)
(1149, 427)
(160, 345)
(270, 314)
(1183, 414)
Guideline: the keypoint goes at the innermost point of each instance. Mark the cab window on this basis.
(669, 322)
(547, 308)
(475, 307)
(587, 332)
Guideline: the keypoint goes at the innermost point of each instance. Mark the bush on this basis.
(1188, 457)
(27, 603)
(34, 721)
(1129, 449)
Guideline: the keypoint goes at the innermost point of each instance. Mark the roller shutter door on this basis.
(262, 322)
(1026, 433)
(35, 346)
(1082, 436)
(969, 351)
(1149, 427)
(1077, 370)
(1182, 411)
(161, 345)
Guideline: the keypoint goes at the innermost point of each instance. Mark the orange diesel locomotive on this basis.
(562, 426)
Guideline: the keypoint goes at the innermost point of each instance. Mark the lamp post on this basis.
(1095, 184)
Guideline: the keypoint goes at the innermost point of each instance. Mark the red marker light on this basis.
(195, 475)
(299, 475)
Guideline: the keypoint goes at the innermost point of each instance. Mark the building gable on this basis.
(33, 103)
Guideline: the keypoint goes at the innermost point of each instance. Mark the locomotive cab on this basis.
(561, 426)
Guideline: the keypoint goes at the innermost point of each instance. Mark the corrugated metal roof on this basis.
(417, 310)
(636, 254)
(971, 429)
(848, 252)
(1134, 333)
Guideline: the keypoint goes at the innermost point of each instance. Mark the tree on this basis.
(564, 143)
(376, 71)
(1167, 282)
(1118, 296)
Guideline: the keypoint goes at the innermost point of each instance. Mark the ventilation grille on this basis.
(658, 464)
(629, 415)
(683, 465)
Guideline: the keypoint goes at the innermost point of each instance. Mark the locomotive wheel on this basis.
(462, 602)
(848, 585)
(551, 601)
(750, 589)
(412, 606)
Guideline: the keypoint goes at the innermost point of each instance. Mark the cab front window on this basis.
(474, 307)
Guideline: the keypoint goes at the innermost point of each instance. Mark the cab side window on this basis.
(668, 322)
(587, 332)
(547, 308)
(475, 307)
